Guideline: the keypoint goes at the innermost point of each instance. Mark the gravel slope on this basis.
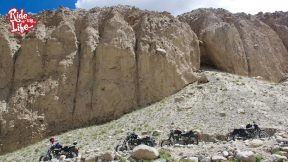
(225, 102)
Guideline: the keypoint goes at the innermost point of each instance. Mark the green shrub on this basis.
(278, 153)
(166, 155)
(122, 159)
(259, 157)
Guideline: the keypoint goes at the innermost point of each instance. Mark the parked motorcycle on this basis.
(177, 137)
(132, 140)
(251, 131)
(56, 152)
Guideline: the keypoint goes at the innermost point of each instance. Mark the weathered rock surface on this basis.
(240, 43)
(246, 156)
(144, 152)
(78, 67)
(81, 67)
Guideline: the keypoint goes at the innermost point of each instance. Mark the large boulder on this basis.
(245, 156)
(145, 152)
(240, 43)
(86, 67)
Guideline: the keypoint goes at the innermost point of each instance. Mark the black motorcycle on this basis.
(177, 137)
(251, 131)
(56, 152)
(132, 140)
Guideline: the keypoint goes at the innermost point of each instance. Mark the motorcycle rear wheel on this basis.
(264, 134)
(45, 157)
(166, 143)
(73, 153)
(192, 141)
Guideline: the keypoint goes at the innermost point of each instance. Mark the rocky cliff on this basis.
(81, 67)
(240, 43)
(78, 67)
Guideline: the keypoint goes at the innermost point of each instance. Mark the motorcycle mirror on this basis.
(75, 143)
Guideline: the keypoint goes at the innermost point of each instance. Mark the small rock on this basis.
(96, 150)
(176, 145)
(241, 111)
(87, 152)
(245, 156)
(222, 113)
(284, 149)
(119, 137)
(202, 79)
(284, 153)
(161, 51)
(178, 99)
(90, 158)
(277, 158)
(256, 143)
(275, 148)
(193, 159)
(62, 157)
(144, 133)
(225, 153)
(279, 139)
(191, 93)
(108, 156)
(258, 77)
(283, 135)
(40, 118)
(218, 158)
(160, 160)
(156, 132)
(206, 159)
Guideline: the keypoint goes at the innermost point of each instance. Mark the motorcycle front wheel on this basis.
(166, 143)
(229, 137)
(45, 157)
(121, 148)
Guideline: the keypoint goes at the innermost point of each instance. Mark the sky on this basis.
(175, 7)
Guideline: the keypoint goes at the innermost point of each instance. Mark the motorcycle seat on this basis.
(190, 133)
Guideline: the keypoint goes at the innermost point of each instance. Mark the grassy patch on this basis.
(180, 109)
(259, 157)
(278, 153)
(166, 155)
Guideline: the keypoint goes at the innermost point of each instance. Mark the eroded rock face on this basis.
(240, 43)
(84, 67)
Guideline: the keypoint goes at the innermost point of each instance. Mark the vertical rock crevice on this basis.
(77, 79)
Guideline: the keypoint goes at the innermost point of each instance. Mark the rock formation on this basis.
(241, 43)
(81, 67)
(78, 67)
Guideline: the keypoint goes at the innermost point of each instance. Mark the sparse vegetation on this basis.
(199, 111)
(259, 157)
(278, 153)
(166, 155)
